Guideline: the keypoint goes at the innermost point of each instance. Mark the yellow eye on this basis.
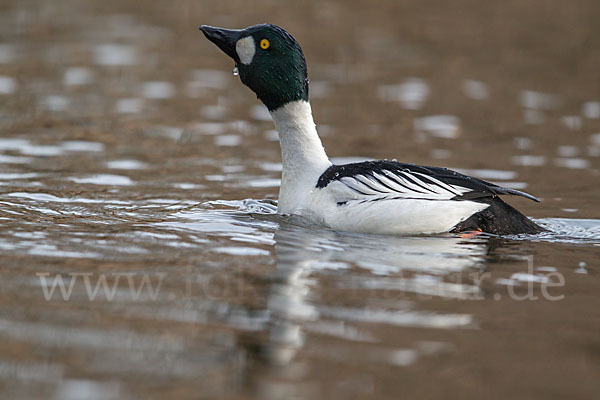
(264, 44)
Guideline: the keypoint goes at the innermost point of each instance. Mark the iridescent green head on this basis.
(269, 61)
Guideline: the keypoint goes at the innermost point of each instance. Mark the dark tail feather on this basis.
(522, 194)
(500, 219)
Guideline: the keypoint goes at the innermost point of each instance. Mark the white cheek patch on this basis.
(246, 48)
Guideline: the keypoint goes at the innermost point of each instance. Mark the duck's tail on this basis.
(498, 218)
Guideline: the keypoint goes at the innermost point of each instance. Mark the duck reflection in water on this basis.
(408, 268)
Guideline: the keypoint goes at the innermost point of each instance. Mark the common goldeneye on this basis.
(374, 196)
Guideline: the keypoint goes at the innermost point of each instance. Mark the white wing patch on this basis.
(396, 185)
(246, 48)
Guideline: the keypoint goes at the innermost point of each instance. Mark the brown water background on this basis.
(129, 152)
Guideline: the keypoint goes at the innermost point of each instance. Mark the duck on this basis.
(379, 197)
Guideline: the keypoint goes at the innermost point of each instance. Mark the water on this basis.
(141, 251)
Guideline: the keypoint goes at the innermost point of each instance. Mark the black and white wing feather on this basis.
(390, 180)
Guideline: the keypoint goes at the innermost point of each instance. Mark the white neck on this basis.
(302, 153)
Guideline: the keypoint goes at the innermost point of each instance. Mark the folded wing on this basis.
(387, 180)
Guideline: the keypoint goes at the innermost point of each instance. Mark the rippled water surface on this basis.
(142, 256)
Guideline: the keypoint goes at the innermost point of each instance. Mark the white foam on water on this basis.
(56, 103)
(115, 54)
(31, 371)
(399, 318)
(539, 101)
(210, 128)
(232, 168)
(213, 112)
(339, 329)
(126, 164)
(25, 146)
(567, 151)
(475, 90)
(572, 121)
(411, 94)
(442, 126)
(216, 178)
(525, 277)
(591, 109)
(570, 230)
(228, 140)
(263, 183)
(15, 176)
(48, 250)
(492, 174)
(210, 78)
(4, 159)
(82, 145)
(8, 85)
(51, 198)
(188, 186)
(422, 284)
(41, 150)
(77, 389)
(515, 185)
(158, 90)
(572, 163)
(75, 76)
(12, 143)
(271, 167)
(104, 179)
(241, 251)
(523, 143)
(129, 106)
(529, 160)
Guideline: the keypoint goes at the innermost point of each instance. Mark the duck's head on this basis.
(269, 61)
